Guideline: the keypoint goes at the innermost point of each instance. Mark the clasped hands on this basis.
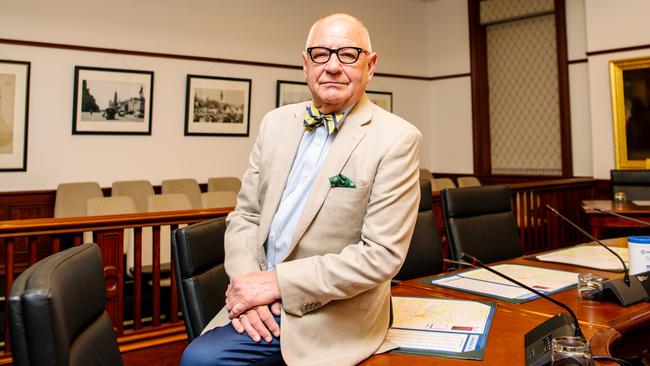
(248, 298)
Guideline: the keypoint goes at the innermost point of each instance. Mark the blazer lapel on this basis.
(289, 140)
(350, 134)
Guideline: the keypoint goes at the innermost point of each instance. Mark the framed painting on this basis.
(112, 101)
(14, 108)
(630, 85)
(217, 106)
(289, 92)
(382, 99)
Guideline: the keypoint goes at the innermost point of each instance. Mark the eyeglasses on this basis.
(346, 55)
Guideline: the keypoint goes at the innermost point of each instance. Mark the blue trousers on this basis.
(223, 346)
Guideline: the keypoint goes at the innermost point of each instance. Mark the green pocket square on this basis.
(341, 180)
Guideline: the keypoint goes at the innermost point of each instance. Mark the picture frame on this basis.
(630, 86)
(382, 99)
(217, 106)
(112, 101)
(14, 115)
(288, 92)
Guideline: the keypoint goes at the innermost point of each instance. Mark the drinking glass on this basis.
(570, 351)
(590, 286)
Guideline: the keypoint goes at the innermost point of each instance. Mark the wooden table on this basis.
(611, 329)
(598, 221)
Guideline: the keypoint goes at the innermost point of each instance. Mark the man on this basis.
(323, 219)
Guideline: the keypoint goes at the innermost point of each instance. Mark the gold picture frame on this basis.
(630, 85)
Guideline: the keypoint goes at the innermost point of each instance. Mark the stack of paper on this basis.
(590, 256)
(483, 282)
(443, 327)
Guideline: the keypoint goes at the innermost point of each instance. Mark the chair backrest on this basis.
(480, 222)
(224, 184)
(634, 183)
(157, 203)
(425, 174)
(468, 182)
(56, 312)
(441, 183)
(425, 252)
(138, 190)
(114, 205)
(219, 199)
(168, 202)
(188, 186)
(200, 274)
(71, 198)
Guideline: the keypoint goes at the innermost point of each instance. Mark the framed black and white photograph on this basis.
(382, 99)
(217, 106)
(289, 92)
(112, 101)
(14, 106)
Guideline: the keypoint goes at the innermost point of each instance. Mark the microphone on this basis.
(622, 216)
(537, 342)
(626, 276)
(628, 290)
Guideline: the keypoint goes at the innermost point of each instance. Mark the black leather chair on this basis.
(56, 312)
(634, 183)
(425, 253)
(198, 256)
(479, 221)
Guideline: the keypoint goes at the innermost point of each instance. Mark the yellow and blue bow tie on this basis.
(314, 118)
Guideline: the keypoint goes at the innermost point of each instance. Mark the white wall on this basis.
(610, 25)
(448, 130)
(254, 30)
(412, 37)
(581, 145)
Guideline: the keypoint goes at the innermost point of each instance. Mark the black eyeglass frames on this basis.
(346, 55)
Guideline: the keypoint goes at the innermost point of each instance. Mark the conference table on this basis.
(600, 221)
(612, 329)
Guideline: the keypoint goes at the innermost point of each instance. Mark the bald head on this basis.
(341, 20)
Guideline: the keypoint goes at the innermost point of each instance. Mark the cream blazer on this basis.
(349, 242)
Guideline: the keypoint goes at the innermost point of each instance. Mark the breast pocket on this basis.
(348, 194)
(344, 209)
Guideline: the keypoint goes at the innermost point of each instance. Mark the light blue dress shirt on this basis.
(312, 151)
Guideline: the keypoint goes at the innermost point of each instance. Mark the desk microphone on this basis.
(537, 342)
(627, 290)
(628, 218)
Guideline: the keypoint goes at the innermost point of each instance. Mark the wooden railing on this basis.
(538, 228)
(142, 303)
(145, 313)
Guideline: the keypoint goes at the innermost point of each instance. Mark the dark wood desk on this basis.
(598, 221)
(611, 328)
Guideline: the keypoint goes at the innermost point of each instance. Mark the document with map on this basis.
(590, 256)
(482, 282)
(441, 327)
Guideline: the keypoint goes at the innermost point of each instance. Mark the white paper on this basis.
(483, 281)
(440, 314)
(499, 289)
(438, 341)
(443, 325)
(641, 202)
(591, 256)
